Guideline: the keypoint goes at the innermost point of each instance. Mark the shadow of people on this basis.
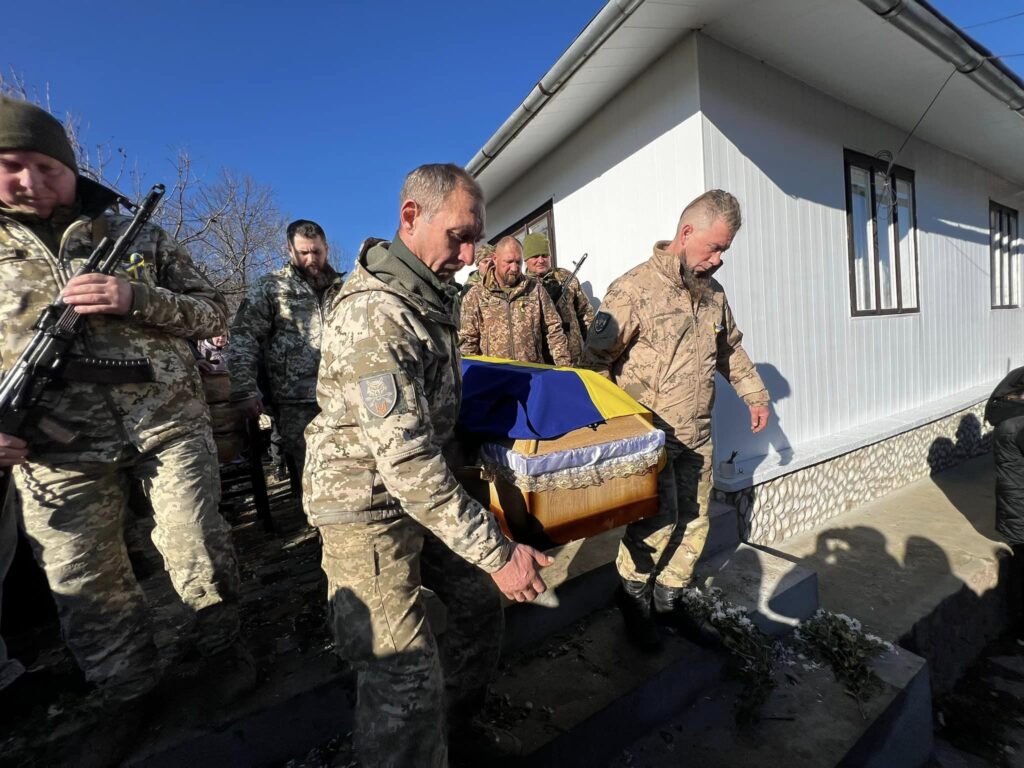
(905, 590)
(962, 470)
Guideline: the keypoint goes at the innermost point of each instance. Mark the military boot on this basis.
(634, 601)
(670, 610)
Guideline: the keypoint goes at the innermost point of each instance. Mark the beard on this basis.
(698, 286)
(510, 281)
(317, 276)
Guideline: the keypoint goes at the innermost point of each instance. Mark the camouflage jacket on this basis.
(574, 308)
(389, 391)
(279, 324)
(649, 340)
(520, 323)
(475, 277)
(172, 302)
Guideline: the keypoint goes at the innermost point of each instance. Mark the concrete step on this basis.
(777, 593)
(723, 529)
(583, 578)
(808, 721)
(582, 694)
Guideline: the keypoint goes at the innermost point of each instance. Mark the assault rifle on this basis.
(48, 353)
(557, 296)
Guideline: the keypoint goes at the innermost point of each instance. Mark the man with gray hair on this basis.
(380, 486)
(662, 331)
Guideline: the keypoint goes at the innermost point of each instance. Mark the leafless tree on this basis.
(231, 225)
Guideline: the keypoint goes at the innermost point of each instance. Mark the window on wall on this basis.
(540, 220)
(882, 231)
(1005, 256)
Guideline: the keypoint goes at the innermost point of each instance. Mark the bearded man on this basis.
(509, 315)
(279, 325)
(662, 331)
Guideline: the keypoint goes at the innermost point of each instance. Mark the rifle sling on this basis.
(102, 370)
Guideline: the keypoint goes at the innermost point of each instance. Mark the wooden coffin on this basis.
(576, 502)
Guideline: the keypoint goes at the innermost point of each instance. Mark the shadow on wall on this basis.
(970, 441)
(731, 422)
(976, 504)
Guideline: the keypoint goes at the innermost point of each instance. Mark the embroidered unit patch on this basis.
(379, 393)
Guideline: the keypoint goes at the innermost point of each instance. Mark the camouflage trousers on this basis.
(668, 545)
(412, 685)
(73, 515)
(10, 669)
(292, 420)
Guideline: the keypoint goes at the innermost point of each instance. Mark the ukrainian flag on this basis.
(529, 401)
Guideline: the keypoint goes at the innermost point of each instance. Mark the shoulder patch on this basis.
(601, 320)
(379, 393)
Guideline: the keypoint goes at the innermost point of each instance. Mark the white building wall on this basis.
(778, 144)
(619, 182)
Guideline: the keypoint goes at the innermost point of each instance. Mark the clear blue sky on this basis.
(330, 103)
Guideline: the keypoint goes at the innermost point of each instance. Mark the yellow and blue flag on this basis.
(530, 401)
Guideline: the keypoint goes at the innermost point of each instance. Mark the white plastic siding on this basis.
(619, 181)
(705, 116)
(778, 145)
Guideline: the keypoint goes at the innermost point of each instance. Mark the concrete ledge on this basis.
(922, 566)
(585, 693)
(777, 592)
(760, 469)
(808, 721)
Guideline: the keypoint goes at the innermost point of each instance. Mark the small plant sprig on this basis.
(831, 638)
(755, 652)
(840, 641)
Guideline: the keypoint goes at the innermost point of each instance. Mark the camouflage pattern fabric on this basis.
(392, 515)
(574, 308)
(90, 436)
(73, 515)
(280, 324)
(517, 323)
(292, 420)
(10, 669)
(670, 543)
(172, 302)
(389, 390)
(648, 339)
(411, 684)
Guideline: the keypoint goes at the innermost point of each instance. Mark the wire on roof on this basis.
(993, 21)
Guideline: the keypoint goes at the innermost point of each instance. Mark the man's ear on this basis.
(408, 215)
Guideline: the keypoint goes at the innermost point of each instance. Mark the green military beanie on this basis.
(26, 126)
(535, 244)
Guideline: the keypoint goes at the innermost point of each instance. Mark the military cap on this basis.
(26, 126)
(536, 244)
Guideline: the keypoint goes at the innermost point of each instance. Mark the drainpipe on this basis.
(920, 21)
(608, 19)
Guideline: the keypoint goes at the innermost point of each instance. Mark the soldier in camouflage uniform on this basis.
(572, 303)
(483, 260)
(279, 324)
(380, 487)
(96, 431)
(511, 316)
(662, 331)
